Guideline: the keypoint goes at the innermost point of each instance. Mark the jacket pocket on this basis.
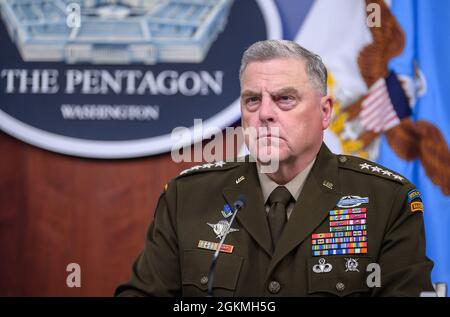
(196, 265)
(338, 276)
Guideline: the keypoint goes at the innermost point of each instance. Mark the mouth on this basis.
(269, 136)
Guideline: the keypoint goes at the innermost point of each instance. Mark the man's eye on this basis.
(250, 101)
(286, 102)
(286, 98)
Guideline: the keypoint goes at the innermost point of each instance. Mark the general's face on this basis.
(277, 93)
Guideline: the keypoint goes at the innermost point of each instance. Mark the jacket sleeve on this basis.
(405, 269)
(156, 271)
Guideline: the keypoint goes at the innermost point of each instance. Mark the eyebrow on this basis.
(286, 91)
(282, 91)
(248, 93)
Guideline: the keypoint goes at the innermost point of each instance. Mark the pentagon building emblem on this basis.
(119, 32)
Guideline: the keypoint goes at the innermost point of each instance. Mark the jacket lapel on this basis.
(253, 215)
(319, 195)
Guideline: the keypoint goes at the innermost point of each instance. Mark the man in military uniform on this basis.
(319, 225)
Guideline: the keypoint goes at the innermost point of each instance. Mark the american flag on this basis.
(378, 113)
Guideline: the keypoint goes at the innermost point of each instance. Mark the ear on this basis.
(326, 108)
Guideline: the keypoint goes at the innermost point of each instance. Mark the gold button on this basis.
(342, 159)
(340, 287)
(274, 287)
(204, 280)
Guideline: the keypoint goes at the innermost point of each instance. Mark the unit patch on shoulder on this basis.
(415, 200)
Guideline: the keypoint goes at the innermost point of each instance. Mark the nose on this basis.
(267, 112)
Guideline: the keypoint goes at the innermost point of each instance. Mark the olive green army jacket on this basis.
(356, 230)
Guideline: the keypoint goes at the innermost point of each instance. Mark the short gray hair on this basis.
(272, 49)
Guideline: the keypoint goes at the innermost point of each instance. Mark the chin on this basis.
(283, 157)
(267, 154)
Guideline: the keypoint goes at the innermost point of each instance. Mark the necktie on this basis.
(278, 200)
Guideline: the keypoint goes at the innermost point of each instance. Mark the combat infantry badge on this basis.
(352, 201)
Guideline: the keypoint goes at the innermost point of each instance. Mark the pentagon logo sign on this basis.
(113, 78)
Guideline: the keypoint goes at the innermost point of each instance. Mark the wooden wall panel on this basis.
(12, 209)
(57, 209)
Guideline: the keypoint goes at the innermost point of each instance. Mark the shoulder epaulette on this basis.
(367, 167)
(208, 167)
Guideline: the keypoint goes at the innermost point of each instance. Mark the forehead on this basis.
(279, 71)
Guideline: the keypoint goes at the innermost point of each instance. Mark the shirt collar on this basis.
(294, 186)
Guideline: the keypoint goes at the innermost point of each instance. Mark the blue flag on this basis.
(415, 133)
(425, 62)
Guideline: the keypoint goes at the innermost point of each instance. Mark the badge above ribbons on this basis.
(352, 201)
